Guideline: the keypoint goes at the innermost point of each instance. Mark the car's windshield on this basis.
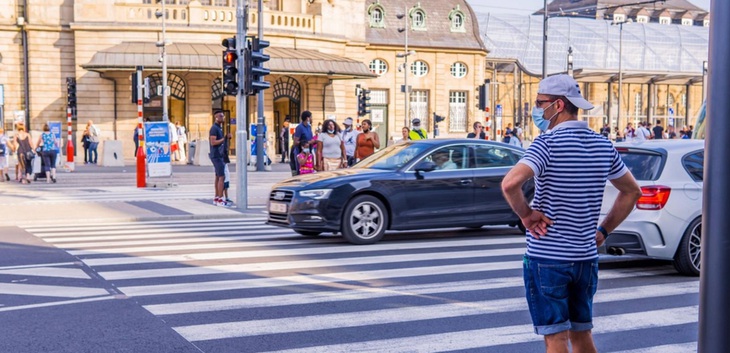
(644, 166)
(393, 157)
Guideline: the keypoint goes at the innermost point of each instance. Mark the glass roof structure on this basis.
(651, 51)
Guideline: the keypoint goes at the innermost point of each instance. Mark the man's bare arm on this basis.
(628, 193)
(512, 183)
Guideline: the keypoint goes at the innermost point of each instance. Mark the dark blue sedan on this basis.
(409, 186)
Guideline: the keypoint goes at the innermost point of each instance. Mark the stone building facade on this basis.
(321, 50)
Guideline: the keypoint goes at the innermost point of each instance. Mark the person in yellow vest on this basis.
(417, 132)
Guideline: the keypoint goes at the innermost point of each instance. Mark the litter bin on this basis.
(191, 151)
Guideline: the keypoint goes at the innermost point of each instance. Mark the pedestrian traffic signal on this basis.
(436, 120)
(255, 70)
(363, 102)
(230, 71)
(71, 92)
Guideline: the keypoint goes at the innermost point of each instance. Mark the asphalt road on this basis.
(237, 285)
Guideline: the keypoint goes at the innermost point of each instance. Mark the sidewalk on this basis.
(109, 194)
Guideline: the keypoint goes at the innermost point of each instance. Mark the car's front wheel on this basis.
(687, 258)
(365, 220)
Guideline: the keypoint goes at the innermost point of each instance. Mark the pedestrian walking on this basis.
(86, 143)
(330, 147)
(182, 142)
(570, 165)
(367, 142)
(284, 139)
(94, 138)
(49, 147)
(642, 133)
(217, 149)
(478, 132)
(303, 132)
(26, 153)
(349, 136)
(5, 148)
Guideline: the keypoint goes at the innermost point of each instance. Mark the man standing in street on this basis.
(217, 151)
(658, 131)
(349, 137)
(417, 132)
(478, 132)
(284, 139)
(570, 165)
(303, 132)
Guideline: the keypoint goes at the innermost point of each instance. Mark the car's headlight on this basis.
(319, 194)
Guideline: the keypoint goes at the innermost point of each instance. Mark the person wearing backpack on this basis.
(94, 134)
(4, 155)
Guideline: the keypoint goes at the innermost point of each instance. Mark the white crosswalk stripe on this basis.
(107, 194)
(240, 282)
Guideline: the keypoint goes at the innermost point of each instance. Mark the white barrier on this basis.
(202, 149)
(111, 153)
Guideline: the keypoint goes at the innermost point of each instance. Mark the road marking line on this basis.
(157, 235)
(40, 265)
(688, 347)
(65, 302)
(303, 264)
(58, 272)
(124, 260)
(158, 229)
(39, 290)
(140, 224)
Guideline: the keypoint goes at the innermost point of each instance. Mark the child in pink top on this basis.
(305, 158)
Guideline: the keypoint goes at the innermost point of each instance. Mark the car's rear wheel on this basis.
(687, 258)
(307, 233)
(365, 220)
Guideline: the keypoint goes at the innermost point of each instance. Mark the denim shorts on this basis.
(560, 294)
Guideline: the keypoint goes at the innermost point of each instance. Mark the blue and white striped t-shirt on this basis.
(571, 165)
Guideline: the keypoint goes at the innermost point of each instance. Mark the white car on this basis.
(666, 222)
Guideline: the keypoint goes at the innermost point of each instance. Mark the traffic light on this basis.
(255, 70)
(482, 97)
(71, 92)
(230, 72)
(436, 120)
(362, 102)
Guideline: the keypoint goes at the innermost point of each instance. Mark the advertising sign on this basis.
(671, 117)
(56, 131)
(157, 145)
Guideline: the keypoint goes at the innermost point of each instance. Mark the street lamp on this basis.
(570, 61)
(704, 80)
(544, 39)
(406, 90)
(163, 58)
(620, 25)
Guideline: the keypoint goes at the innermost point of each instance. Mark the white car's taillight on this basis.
(653, 197)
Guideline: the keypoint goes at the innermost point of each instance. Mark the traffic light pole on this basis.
(241, 137)
(260, 121)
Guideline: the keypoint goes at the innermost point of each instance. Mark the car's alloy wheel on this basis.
(687, 259)
(365, 220)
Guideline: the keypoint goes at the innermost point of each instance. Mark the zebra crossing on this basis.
(238, 285)
(104, 194)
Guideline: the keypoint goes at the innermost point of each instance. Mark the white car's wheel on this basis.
(365, 220)
(687, 259)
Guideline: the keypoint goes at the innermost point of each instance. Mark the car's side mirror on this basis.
(425, 166)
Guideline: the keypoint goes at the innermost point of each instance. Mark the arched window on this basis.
(458, 70)
(378, 67)
(376, 14)
(457, 18)
(419, 68)
(418, 19)
(174, 82)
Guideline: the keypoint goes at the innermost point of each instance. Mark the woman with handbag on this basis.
(25, 153)
(49, 147)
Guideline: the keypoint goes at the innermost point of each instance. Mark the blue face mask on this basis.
(538, 117)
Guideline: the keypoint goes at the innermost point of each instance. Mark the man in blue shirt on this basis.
(570, 164)
(303, 132)
(217, 154)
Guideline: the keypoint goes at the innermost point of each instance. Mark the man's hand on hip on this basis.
(536, 222)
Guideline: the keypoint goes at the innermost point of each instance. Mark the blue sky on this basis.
(526, 7)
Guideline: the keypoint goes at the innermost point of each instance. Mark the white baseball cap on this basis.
(347, 121)
(565, 86)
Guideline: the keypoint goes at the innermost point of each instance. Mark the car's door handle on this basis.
(465, 181)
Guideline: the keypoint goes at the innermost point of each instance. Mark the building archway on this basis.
(287, 94)
(176, 106)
